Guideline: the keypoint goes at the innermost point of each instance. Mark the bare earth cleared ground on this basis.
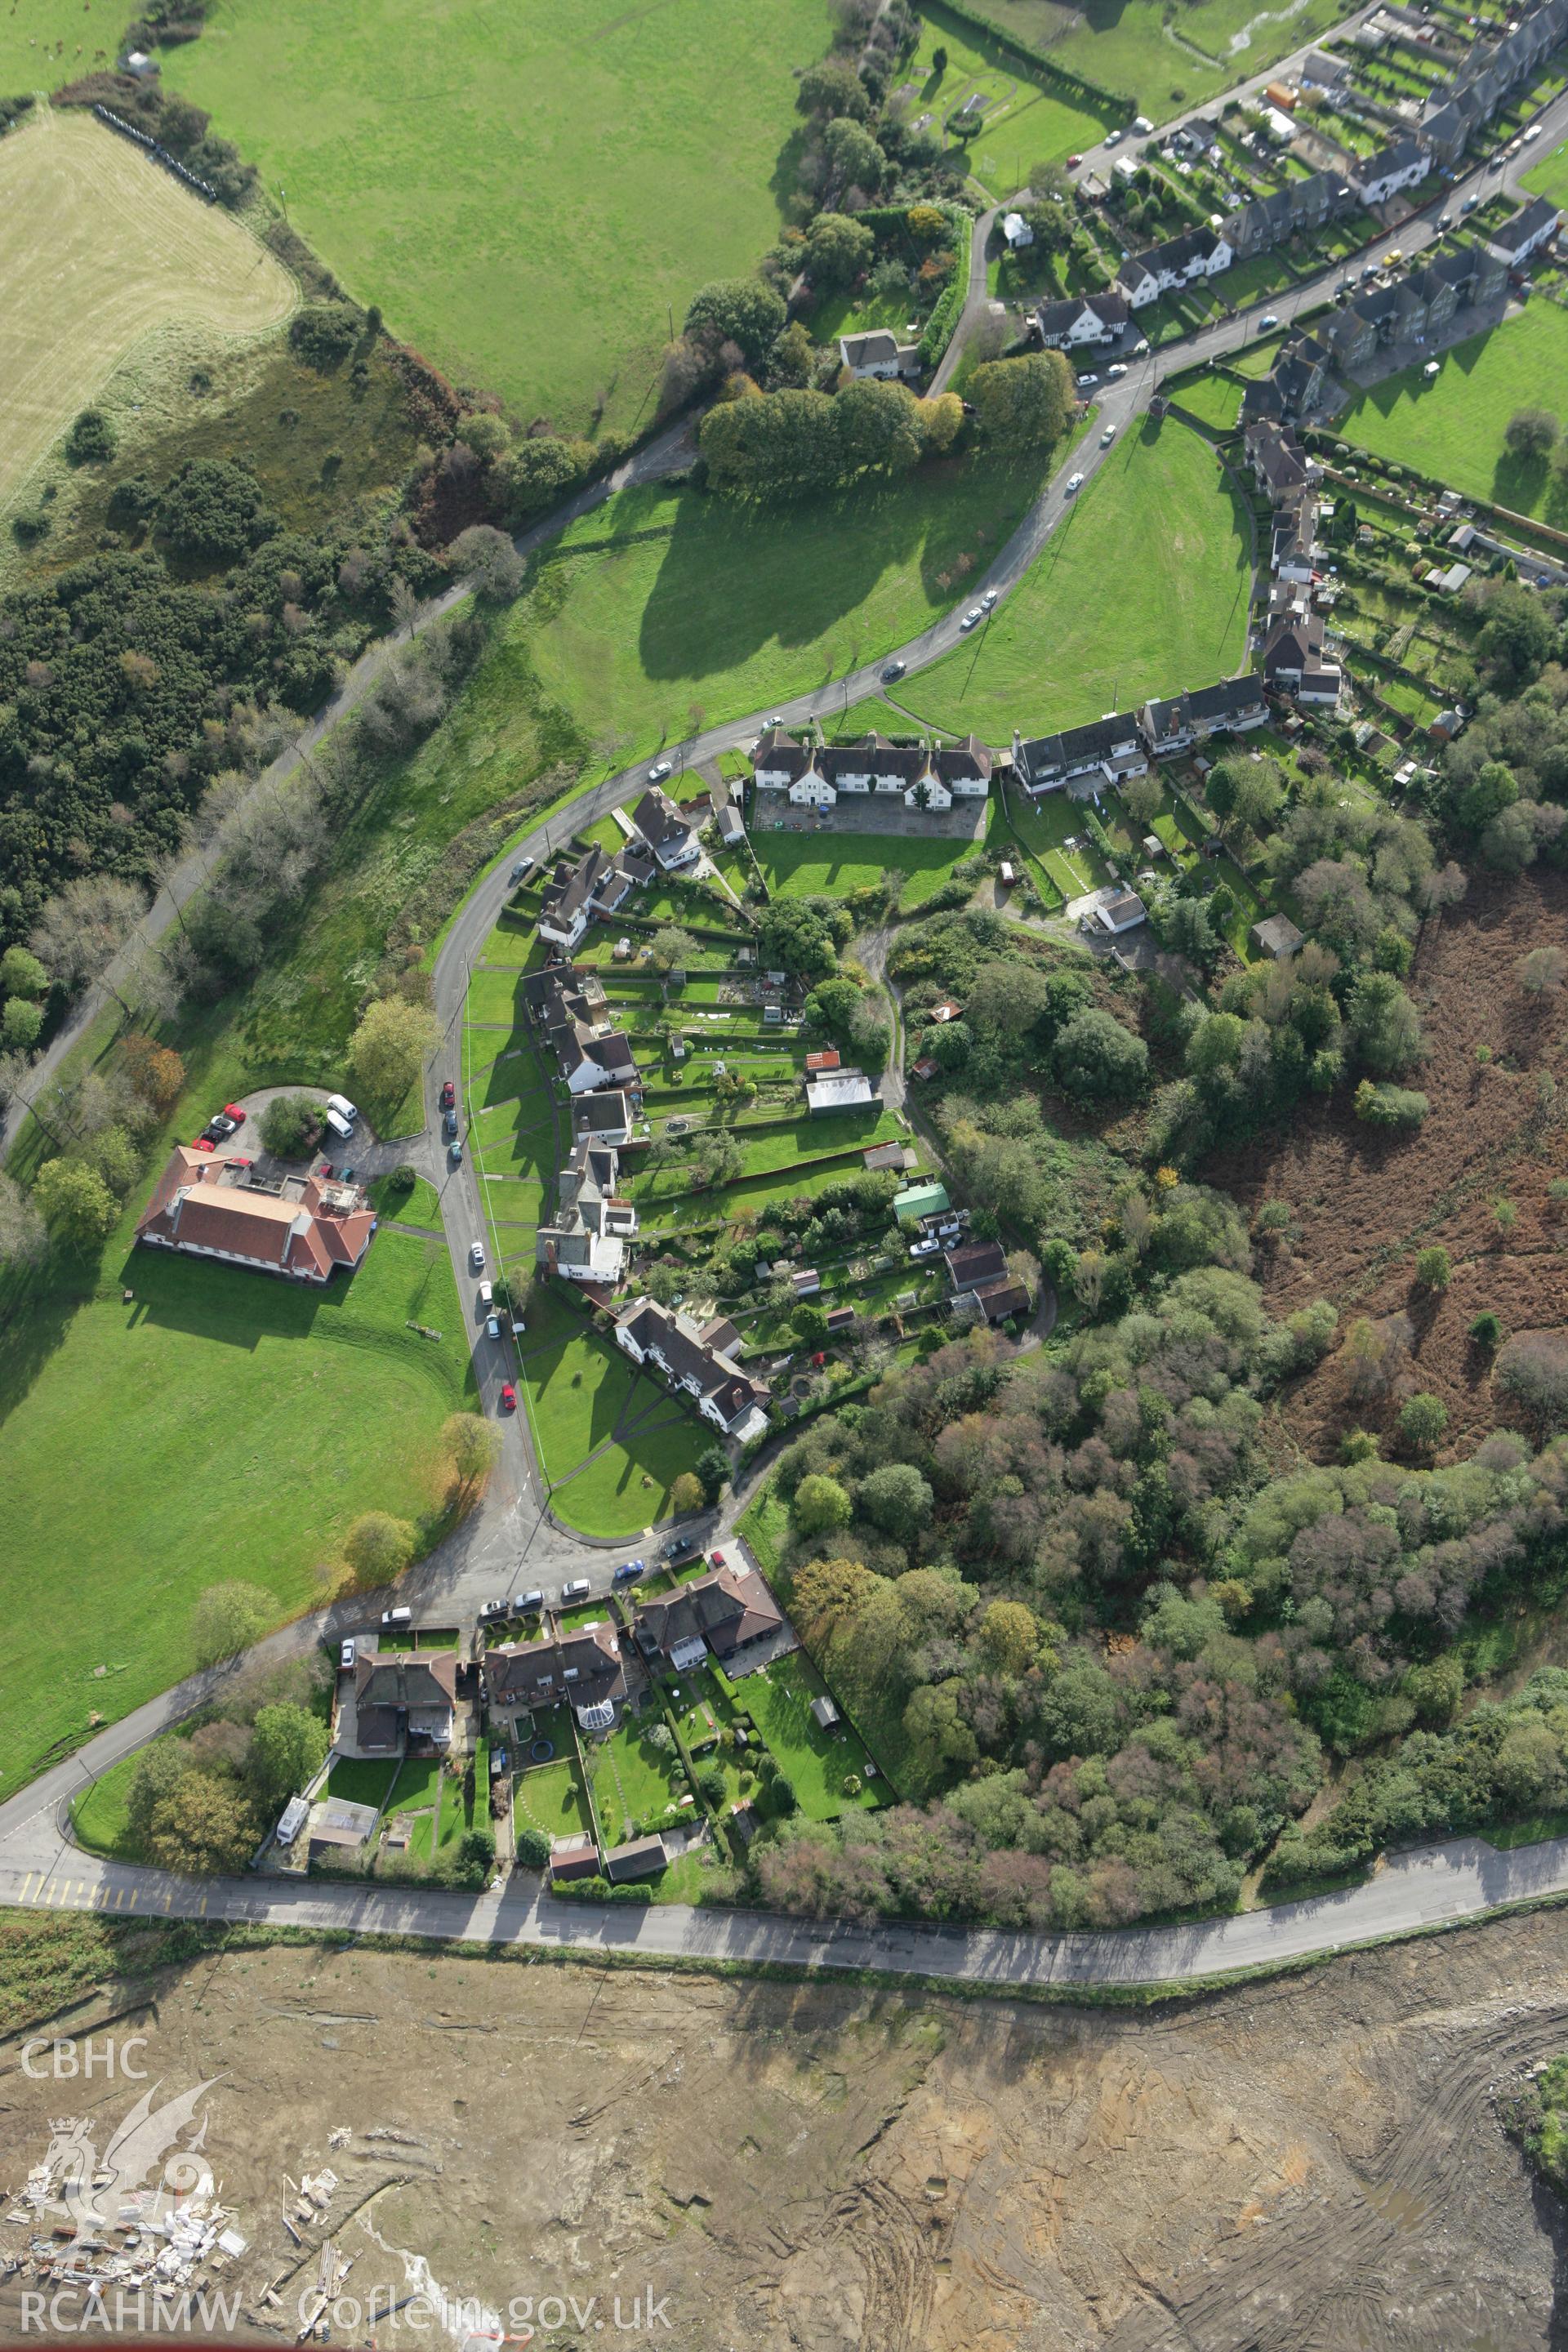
(102, 247)
(1365, 1202)
(1317, 2163)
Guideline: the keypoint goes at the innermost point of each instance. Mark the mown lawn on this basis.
(814, 1761)
(575, 1392)
(217, 1401)
(627, 1488)
(634, 154)
(632, 1781)
(1452, 429)
(1550, 177)
(360, 1781)
(551, 1797)
(1125, 45)
(831, 864)
(421, 1205)
(1142, 591)
(666, 602)
(1216, 398)
(1023, 118)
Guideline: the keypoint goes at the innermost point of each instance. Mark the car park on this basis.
(974, 614)
(346, 1654)
(507, 1397)
(629, 1570)
(476, 1256)
(1074, 483)
(578, 1589)
(393, 1618)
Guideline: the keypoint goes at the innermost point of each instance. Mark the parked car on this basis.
(455, 1154)
(235, 1111)
(476, 1256)
(203, 1143)
(346, 1654)
(989, 598)
(717, 1558)
(659, 770)
(1108, 436)
(1469, 204)
(345, 1108)
(679, 1546)
(489, 1609)
(448, 1093)
(1073, 162)
(894, 670)
(1141, 348)
(522, 869)
(1117, 368)
(222, 1124)
(339, 1126)
(1445, 220)
(1074, 483)
(507, 1397)
(492, 1327)
(629, 1570)
(1085, 380)
(976, 612)
(486, 1296)
(393, 1617)
(449, 1124)
(1534, 131)
(529, 1604)
(1267, 320)
(238, 1160)
(1113, 138)
(578, 1589)
(924, 1249)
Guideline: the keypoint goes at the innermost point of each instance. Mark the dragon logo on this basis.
(89, 2191)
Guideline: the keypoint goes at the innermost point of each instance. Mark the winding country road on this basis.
(511, 1539)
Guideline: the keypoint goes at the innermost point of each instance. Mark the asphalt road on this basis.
(509, 1542)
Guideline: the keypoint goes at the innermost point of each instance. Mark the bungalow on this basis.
(302, 1227)
(402, 1699)
(973, 1263)
(1110, 746)
(1519, 238)
(579, 1664)
(697, 1359)
(1392, 170)
(835, 1090)
(1082, 318)
(1235, 705)
(586, 1239)
(873, 354)
(1122, 913)
(666, 831)
(721, 1613)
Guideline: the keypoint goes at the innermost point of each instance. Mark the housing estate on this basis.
(403, 1700)
(1523, 237)
(1181, 261)
(698, 1360)
(721, 1613)
(1412, 310)
(302, 1227)
(1112, 748)
(1174, 723)
(578, 1664)
(1486, 76)
(589, 1052)
(586, 1239)
(670, 839)
(1392, 169)
(817, 775)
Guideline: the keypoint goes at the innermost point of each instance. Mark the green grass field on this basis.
(1453, 427)
(1024, 118)
(1142, 592)
(526, 191)
(1217, 399)
(575, 1394)
(806, 864)
(632, 1781)
(1550, 176)
(550, 1797)
(1130, 44)
(666, 604)
(217, 1401)
(627, 1488)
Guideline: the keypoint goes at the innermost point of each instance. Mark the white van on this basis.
(339, 1126)
(345, 1108)
(486, 1296)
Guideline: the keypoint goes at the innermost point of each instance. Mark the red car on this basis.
(449, 1096)
(204, 1143)
(232, 1110)
(238, 1160)
(508, 1398)
(1073, 162)
(717, 1557)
